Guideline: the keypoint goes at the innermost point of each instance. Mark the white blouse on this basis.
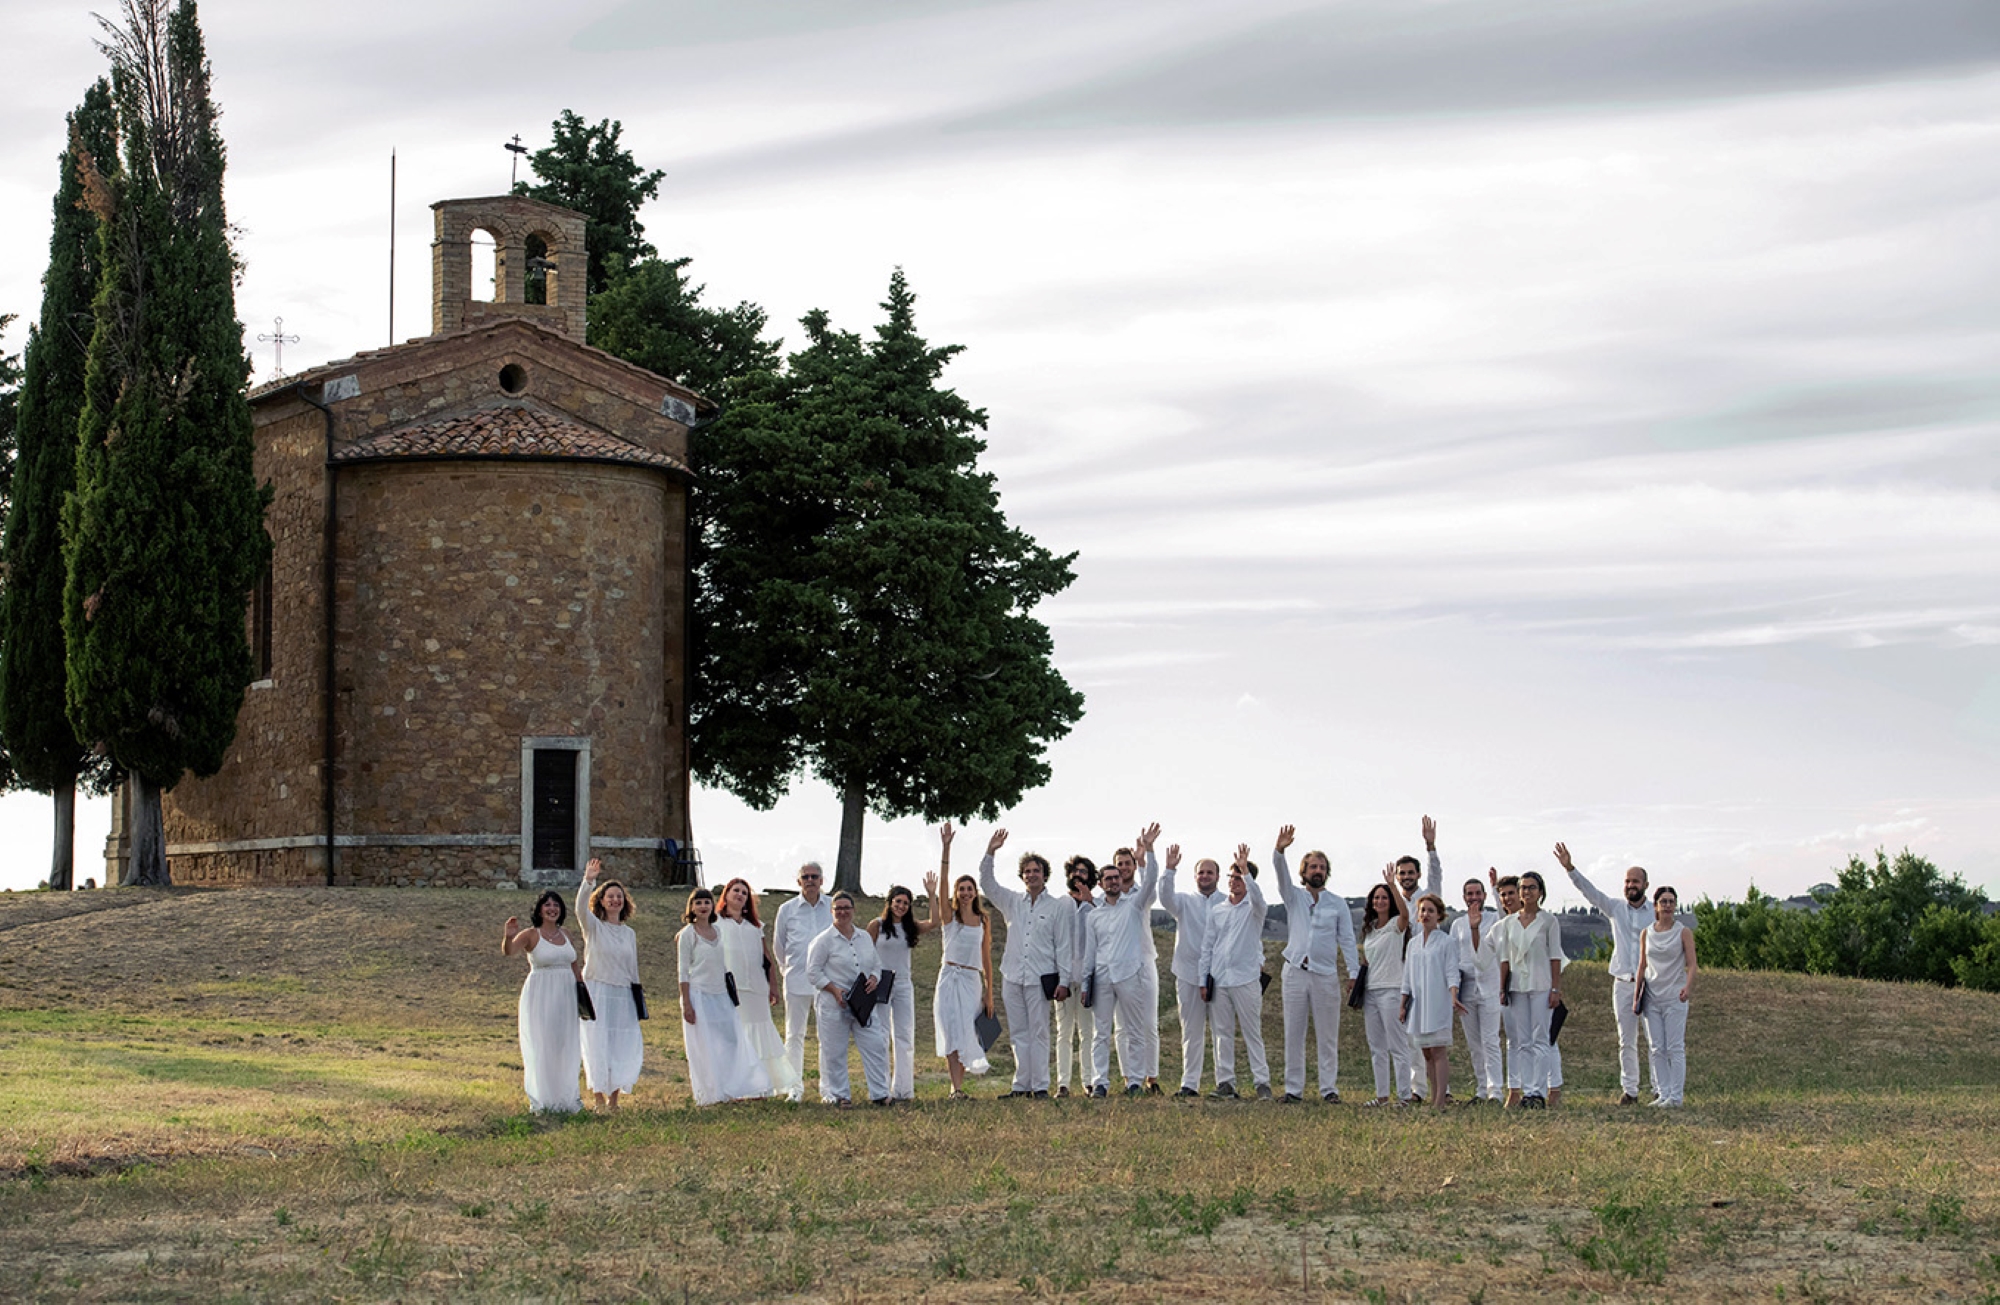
(1528, 948)
(611, 953)
(1383, 950)
(702, 963)
(1666, 962)
(1430, 972)
(743, 951)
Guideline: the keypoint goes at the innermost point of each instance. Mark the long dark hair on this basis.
(1368, 923)
(562, 909)
(887, 920)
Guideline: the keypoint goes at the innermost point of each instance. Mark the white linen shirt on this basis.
(1481, 964)
(1232, 944)
(1321, 930)
(1627, 923)
(841, 961)
(1528, 949)
(1118, 936)
(1190, 912)
(792, 933)
(1040, 931)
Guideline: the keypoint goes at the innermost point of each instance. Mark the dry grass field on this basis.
(315, 1094)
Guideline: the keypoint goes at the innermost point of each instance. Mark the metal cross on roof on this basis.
(280, 339)
(517, 149)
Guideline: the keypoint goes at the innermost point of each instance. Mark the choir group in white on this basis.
(1083, 967)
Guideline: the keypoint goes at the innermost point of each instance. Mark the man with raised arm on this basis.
(1232, 959)
(1629, 919)
(1117, 946)
(1125, 863)
(1191, 914)
(799, 921)
(1321, 935)
(1039, 965)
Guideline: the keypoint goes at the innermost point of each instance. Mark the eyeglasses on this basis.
(809, 879)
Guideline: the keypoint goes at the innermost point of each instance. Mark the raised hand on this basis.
(1493, 877)
(945, 834)
(1562, 856)
(513, 925)
(1285, 835)
(931, 882)
(592, 868)
(1430, 834)
(995, 843)
(1243, 857)
(1173, 856)
(1146, 839)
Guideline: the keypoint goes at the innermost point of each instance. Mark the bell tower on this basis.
(538, 264)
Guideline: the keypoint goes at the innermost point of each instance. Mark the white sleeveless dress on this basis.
(551, 1033)
(960, 996)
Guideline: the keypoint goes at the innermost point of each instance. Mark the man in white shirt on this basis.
(1321, 927)
(1075, 1026)
(799, 921)
(1125, 862)
(1038, 966)
(1232, 958)
(1479, 990)
(1190, 913)
(1628, 918)
(1117, 940)
(836, 961)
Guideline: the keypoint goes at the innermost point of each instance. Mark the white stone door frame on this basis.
(531, 744)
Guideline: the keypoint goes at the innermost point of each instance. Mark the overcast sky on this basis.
(1573, 420)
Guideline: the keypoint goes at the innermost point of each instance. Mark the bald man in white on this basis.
(1190, 911)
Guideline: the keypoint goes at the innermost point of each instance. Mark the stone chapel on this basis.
(472, 641)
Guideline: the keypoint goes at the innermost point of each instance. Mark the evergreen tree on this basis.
(34, 720)
(164, 532)
(587, 170)
(10, 407)
(864, 608)
(652, 317)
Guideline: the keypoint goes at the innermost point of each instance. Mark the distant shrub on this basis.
(1899, 920)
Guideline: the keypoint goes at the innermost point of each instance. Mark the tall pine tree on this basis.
(34, 720)
(165, 530)
(586, 169)
(864, 608)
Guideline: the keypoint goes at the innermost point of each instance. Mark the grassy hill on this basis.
(308, 1094)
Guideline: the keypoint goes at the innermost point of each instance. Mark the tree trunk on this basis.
(62, 859)
(148, 866)
(853, 810)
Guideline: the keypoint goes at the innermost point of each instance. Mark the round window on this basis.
(513, 378)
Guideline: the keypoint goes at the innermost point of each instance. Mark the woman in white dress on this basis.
(1666, 958)
(551, 1042)
(896, 931)
(721, 1065)
(760, 984)
(964, 982)
(613, 1048)
(1430, 992)
(1385, 928)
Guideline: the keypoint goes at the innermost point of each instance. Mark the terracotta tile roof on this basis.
(510, 432)
(324, 370)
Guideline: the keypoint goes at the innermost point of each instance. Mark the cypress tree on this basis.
(866, 608)
(34, 719)
(165, 530)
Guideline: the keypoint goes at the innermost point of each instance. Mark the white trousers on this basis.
(1666, 1042)
(1075, 1028)
(1028, 1032)
(1622, 991)
(1388, 1042)
(1149, 1032)
(798, 1006)
(901, 1014)
(1527, 1015)
(1194, 1031)
(1315, 998)
(1240, 1007)
(1481, 1023)
(872, 1040)
(1121, 1009)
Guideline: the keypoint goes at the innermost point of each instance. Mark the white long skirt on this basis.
(721, 1064)
(613, 1046)
(960, 997)
(766, 1046)
(551, 1043)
